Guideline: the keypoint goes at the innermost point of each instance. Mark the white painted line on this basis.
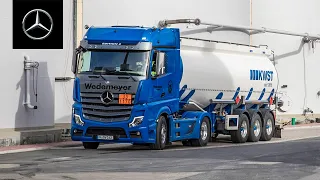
(117, 175)
(55, 148)
(22, 150)
(259, 163)
(59, 159)
(8, 166)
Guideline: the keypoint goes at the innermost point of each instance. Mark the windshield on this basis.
(114, 62)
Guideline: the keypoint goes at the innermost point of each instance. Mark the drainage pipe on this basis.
(28, 65)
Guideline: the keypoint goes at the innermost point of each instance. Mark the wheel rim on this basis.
(256, 128)
(269, 127)
(244, 129)
(204, 131)
(163, 134)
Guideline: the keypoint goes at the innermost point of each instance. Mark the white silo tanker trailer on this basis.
(232, 79)
(145, 85)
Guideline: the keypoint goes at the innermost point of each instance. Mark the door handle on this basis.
(162, 94)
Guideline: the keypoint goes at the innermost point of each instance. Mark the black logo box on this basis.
(54, 8)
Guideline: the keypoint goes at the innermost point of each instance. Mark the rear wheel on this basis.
(90, 145)
(204, 133)
(241, 135)
(267, 127)
(161, 134)
(255, 128)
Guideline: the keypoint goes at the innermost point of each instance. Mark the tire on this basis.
(204, 133)
(237, 136)
(255, 128)
(268, 127)
(161, 134)
(90, 145)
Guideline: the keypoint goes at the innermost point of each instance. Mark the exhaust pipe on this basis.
(28, 65)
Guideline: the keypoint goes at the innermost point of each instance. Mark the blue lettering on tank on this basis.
(261, 75)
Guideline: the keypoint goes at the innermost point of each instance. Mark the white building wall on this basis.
(148, 13)
(55, 98)
(297, 16)
(52, 96)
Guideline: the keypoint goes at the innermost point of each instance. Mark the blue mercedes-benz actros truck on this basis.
(152, 86)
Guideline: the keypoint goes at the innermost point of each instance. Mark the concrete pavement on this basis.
(291, 160)
(285, 158)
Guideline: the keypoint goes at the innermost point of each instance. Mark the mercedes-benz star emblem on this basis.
(106, 97)
(37, 24)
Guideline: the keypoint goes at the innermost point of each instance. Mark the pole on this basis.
(251, 30)
(28, 65)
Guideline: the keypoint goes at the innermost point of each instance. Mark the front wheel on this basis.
(204, 133)
(161, 134)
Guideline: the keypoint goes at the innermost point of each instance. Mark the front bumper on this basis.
(86, 130)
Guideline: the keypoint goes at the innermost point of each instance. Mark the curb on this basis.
(301, 127)
(35, 147)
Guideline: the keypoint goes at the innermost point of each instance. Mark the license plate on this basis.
(103, 137)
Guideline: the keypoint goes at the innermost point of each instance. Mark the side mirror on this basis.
(160, 63)
(75, 55)
(158, 68)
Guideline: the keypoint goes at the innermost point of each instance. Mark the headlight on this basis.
(136, 121)
(78, 120)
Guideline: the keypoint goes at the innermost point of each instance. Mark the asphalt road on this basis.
(290, 160)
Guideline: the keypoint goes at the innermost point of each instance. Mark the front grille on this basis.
(95, 110)
(94, 131)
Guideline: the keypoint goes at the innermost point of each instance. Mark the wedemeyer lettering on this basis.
(261, 75)
(108, 87)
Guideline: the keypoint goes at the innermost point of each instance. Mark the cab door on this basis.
(161, 75)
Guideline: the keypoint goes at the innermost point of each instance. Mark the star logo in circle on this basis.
(106, 97)
(37, 24)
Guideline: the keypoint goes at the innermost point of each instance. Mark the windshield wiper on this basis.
(124, 72)
(103, 78)
(116, 72)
